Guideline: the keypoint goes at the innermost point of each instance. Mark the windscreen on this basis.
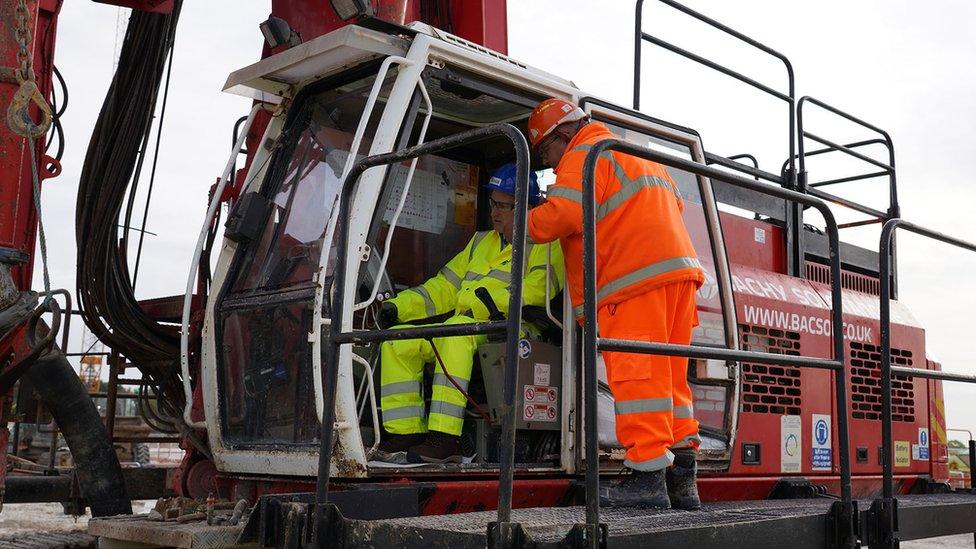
(265, 379)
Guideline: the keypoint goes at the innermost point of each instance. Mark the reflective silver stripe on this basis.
(429, 306)
(628, 190)
(644, 273)
(447, 409)
(653, 464)
(567, 193)
(403, 412)
(578, 311)
(441, 379)
(500, 275)
(494, 273)
(478, 237)
(400, 388)
(628, 187)
(622, 407)
(684, 412)
(451, 277)
(686, 442)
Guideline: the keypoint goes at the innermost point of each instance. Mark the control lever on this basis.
(493, 313)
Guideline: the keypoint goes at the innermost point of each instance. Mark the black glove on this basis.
(387, 316)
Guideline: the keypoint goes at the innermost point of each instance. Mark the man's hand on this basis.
(387, 316)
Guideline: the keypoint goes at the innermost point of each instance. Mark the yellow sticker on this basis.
(903, 453)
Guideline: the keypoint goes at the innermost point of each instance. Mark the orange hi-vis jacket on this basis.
(641, 240)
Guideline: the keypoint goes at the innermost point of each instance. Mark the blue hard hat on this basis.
(503, 180)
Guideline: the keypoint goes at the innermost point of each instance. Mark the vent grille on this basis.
(866, 383)
(768, 389)
(851, 281)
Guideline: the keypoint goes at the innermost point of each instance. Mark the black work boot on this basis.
(437, 448)
(681, 480)
(642, 489)
(393, 448)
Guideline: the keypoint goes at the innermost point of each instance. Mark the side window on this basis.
(711, 328)
(265, 379)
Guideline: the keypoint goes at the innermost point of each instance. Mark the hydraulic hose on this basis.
(96, 465)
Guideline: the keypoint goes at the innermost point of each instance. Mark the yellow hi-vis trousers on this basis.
(402, 372)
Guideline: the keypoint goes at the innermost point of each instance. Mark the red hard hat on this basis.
(549, 114)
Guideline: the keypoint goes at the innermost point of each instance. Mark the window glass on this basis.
(268, 381)
(265, 374)
(303, 190)
(711, 327)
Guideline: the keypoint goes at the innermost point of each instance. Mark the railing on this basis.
(640, 36)
(794, 214)
(504, 531)
(849, 150)
(885, 510)
(843, 511)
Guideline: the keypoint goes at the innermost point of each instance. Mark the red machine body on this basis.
(18, 218)
(776, 312)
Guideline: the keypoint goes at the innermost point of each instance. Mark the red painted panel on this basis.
(18, 219)
(755, 243)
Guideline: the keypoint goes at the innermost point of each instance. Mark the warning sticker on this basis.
(539, 402)
(540, 394)
(821, 442)
(903, 453)
(790, 444)
(539, 412)
(922, 452)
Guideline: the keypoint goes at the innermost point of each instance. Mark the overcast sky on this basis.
(905, 68)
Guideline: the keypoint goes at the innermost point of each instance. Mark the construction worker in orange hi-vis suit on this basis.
(647, 276)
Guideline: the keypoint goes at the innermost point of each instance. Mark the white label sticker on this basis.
(915, 452)
(821, 443)
(540, 394)
(539, 412)
(790, 444)
(541, 376)
(760, 235)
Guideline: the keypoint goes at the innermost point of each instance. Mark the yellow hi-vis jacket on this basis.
(486, 263)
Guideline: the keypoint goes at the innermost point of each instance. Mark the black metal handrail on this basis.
(504, 531)
(592, 343)
(640, 36)
(887, 507)
(849, 149)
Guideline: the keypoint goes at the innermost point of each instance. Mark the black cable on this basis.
(477, 407)
(58, 112)
(105, 292)
(152, 173)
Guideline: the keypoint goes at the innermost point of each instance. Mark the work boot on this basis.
(681, 480)
(642, 489)
(393, 448)
(437, 448)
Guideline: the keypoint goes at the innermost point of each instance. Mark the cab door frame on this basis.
(601, 110)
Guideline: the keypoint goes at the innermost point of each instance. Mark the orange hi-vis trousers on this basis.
(652, 399)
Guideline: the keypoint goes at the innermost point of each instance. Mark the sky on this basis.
(890, 62)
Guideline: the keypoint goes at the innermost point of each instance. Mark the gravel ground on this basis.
(49, 517)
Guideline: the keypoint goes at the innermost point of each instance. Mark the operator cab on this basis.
(357, 92)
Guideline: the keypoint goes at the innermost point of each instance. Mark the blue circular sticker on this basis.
(821, 431)
(525, 348)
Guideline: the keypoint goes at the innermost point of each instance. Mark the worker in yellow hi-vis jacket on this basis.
(485, 262)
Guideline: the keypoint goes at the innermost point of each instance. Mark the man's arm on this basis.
(561, 215)
(438, 294)
(534, 285)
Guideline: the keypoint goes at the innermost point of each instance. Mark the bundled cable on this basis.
(105, 290)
